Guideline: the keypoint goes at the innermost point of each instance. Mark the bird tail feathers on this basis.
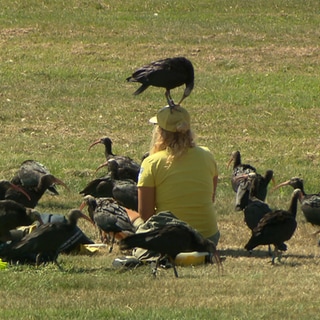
(141, 89)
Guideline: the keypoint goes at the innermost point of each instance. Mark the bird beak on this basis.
(15, 187)
(245, 176)
(60, 182)
(286, 183)
(229, 162)
(82, 205)
(94, 143)
(87, 218)
(105, 164)
(241, 177)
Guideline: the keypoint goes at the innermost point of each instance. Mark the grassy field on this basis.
(63, 66)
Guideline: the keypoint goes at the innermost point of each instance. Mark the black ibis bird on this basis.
(44, 242)
(166, 73)
(254, 207)
(170, 240)
(125, 191)
(5, 185)
(109, 217)
(240, 183)
(29, 174)
(276, 227)
(35, 192)
(310, 203)
(13, 215)
(127, 167)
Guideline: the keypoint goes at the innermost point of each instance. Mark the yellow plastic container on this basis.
(191, 258)
(3, 265)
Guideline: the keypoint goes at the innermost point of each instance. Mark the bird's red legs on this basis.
(169, 99)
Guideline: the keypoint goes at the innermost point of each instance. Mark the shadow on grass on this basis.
(262, 254)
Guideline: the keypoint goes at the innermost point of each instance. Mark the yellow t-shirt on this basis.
(185, 188)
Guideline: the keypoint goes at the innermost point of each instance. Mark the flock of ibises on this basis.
(109, 198)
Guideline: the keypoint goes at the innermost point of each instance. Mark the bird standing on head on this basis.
(167, 73)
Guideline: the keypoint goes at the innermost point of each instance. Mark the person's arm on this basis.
(215, 183)
(146, 202)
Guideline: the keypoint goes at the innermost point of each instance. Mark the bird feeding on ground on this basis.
(169, 241)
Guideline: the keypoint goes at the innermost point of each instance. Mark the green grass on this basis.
(63, 66)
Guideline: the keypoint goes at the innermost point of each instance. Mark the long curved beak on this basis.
(82, 205)
(250, 175)
(87, 218)
(60, 182)
(105, 164)
(286, 183)
(273, 180)
(94, 143)
(229, 162)
(15, 187)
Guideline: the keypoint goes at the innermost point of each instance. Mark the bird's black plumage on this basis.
(109, 217)
(13, 215)
(241, 184)
(6, 185)
(34, 179)
(124, 191)
(35, 192)
(310, 202)
(44, 242)
(276, 227)
(123, 167)
(170, 240)
(166, 73)
(29, 174)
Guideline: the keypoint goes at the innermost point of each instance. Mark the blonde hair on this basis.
(176, 143)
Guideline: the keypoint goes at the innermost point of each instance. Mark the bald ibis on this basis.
(126, 167)
(276, 227)
(240, 183)
(34, 191)
(44, 242)
(310, 203)
(29, 174)
(5, 185)
(109, 217)
(124, 191)
(170, 240)
(166, 73)
(13, 215)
